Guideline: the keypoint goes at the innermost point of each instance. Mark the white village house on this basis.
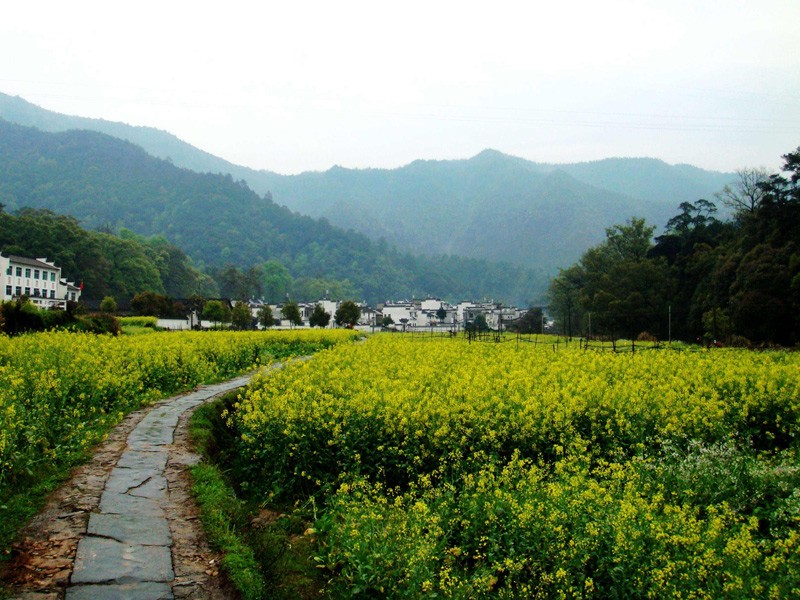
(368, 318)
(420, 313)
(38, 279)
(495, 313)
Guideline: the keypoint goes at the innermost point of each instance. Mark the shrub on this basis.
(139, 321)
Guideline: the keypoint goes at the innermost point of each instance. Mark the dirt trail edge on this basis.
(125, 525)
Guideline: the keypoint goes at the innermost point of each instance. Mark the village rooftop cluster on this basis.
(41, 281)
(405, 315)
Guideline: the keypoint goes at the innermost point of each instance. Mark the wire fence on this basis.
(551, 341)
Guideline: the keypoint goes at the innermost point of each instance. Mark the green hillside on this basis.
(160, 144)
(110, 184)
(491, 206)
(496, 206)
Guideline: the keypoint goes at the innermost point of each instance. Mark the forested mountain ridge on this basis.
(119, 266)
(491, 206)
(156, 142)
(111, 184)
(497, 206)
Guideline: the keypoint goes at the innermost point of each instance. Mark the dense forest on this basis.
(731, 280)
(118, 266)
(111, 185)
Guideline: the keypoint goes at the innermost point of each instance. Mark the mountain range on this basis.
(491, 206)
(113, 185)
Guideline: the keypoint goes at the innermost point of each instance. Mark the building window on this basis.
(9, 270)
(19, 271)
(36, 273)
(8, 290)
(35, 292)
(18, 291)
(52, 276)
(28, 291)
(52, 294)
(28, 273)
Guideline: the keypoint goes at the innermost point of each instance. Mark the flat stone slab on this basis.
(125, 480)
(145, 437)
(130, 529)
(153, 487)
(100, 560)
(148, 590)
(141, 459)
(123, 504)
(144, 483)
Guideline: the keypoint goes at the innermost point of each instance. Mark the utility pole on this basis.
(669, 325)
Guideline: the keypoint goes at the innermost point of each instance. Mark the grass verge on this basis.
(266, 549)
(221, 515)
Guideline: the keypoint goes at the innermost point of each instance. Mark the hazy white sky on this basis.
(296, 86)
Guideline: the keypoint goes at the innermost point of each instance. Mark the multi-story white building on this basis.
(38, 279)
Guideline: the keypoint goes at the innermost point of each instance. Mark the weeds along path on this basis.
(125, 525)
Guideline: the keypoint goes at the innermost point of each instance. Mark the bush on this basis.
(739, 341)
(100, 323)
(108, 305)
(21, 315)
(139, 322)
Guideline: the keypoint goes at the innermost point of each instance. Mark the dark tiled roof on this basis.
(32, 262)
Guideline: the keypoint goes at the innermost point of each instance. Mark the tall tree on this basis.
(532, 321)
(441, 313)
(265, 318)
(217, 312)
(565, 297)
(152, 305)
(291, 312)
(277, 281)
(616, 282)
(232, 283)
(347, 314)
(744, 196)
(241, 316)
(765, 294)
(319, 318)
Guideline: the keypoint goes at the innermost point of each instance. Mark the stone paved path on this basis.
(126, 552)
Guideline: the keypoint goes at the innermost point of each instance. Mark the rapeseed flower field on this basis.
(60, 392)
(446, 469)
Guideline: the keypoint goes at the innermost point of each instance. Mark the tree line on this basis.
(733, 280)
(240, 316)
(118, 266)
